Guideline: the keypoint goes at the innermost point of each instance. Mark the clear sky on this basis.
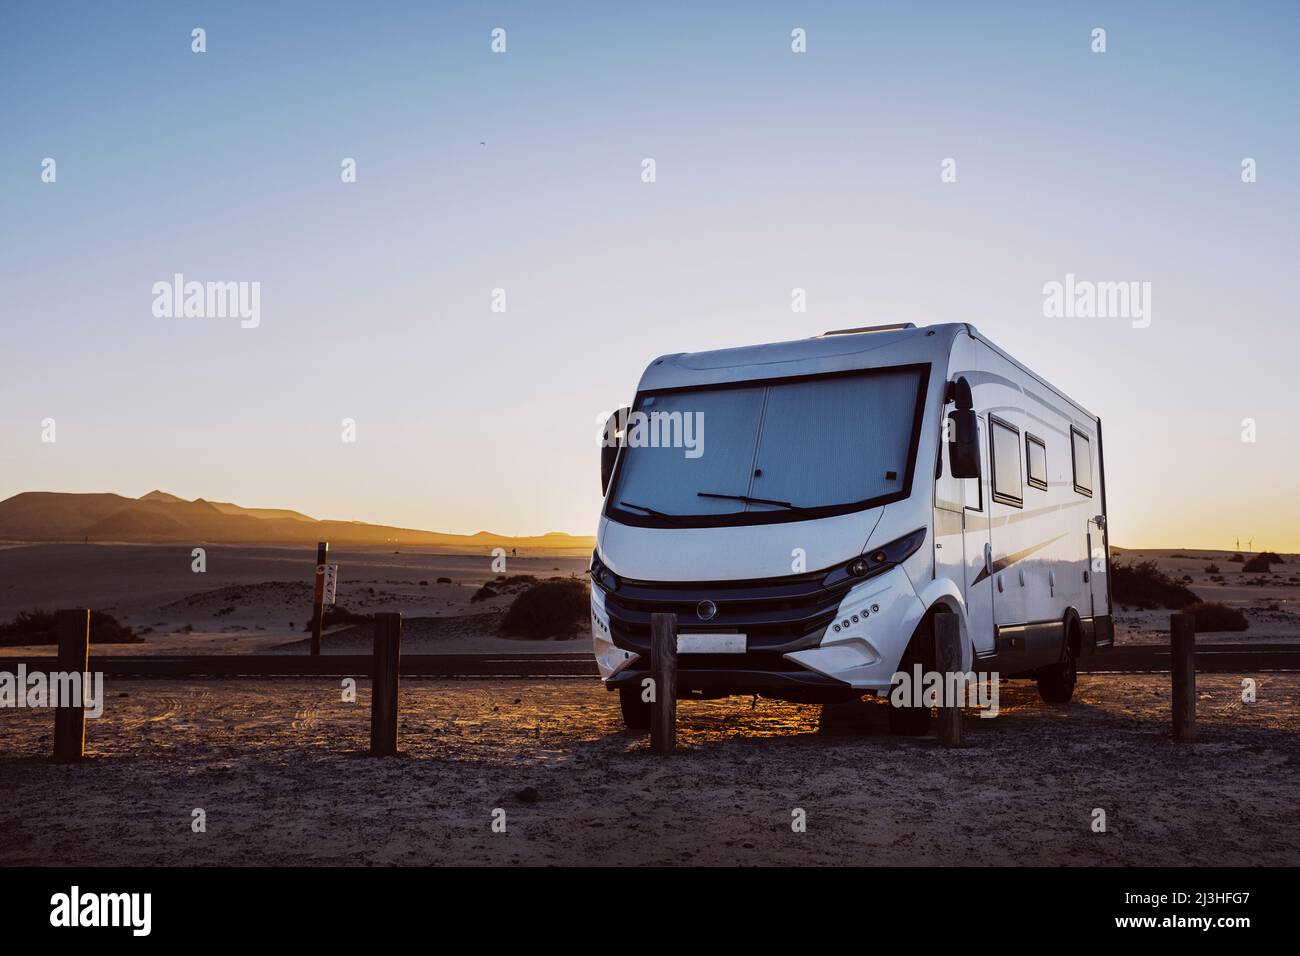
(522, 171)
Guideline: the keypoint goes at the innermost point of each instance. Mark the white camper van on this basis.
(805, 508)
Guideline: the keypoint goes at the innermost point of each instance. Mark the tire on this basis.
(636, 712)
(1056, 682)
(914, 721)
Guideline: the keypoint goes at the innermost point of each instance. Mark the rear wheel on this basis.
(636, 712)
(1056, 682)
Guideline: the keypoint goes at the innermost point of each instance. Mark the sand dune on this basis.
(161, 517)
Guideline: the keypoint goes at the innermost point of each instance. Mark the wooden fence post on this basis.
(1182, 635)
(318, 600)
(947, 656)
(383, 685)
(73, 631)
(663, 669)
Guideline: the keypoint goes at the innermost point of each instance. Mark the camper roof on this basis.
(843, 350)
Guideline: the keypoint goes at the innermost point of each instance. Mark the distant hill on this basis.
(161, 518)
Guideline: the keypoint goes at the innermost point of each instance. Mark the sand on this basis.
(1271, 602)
(256, 600)
(279, 768)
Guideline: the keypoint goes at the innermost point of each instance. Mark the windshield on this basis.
(778, 450)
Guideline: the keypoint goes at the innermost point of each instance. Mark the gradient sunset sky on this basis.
(522, 171)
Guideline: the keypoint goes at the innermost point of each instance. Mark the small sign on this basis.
(331, 582)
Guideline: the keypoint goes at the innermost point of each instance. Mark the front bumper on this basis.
(805, 641)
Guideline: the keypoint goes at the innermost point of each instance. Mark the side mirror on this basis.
(963, 432)
(963, 444)
(612, 438)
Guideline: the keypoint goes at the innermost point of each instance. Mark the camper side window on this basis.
(1004, 449)
(1081, 452)
(1035, 461)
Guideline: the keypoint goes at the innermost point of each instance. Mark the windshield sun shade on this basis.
(776, 450)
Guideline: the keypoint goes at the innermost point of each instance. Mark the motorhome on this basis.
(838, 493)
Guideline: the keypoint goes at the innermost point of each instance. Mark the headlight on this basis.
(877, 560)
(602, 575)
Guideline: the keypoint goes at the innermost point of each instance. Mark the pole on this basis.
(383, 688)
(663, 668)
(947, 656)
(73, 631)
(1182, 634)
(318, 601)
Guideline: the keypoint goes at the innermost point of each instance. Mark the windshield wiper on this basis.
(750, 500)
(676, 519)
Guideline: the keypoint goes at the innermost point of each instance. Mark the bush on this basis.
(1258, 563)
(1144, 585)
(338, 615)
(482, 594)
(1216, 617)
(1237, 558)
(1211, 568)
(37, 627)
(444, 580)
(514, 581)
(1272, 557)
(550, 609)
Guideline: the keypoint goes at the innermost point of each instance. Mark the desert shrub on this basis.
(338, 615)
(514, 581)
(548, 609)
(482, 594)
(1256, 564)
(1216, 617)
(444, 580)
(1211, 568)
(1237, 558)
(1176, 555)
(1144, 585)
(37, 627)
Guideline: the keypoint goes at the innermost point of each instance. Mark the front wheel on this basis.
(1056, 682)
(636, 712)
(914, 720)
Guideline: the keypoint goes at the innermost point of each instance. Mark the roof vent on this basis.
(895, 327)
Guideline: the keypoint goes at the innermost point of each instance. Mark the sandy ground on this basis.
(1271, 602)
(256, 600)
(279, 768)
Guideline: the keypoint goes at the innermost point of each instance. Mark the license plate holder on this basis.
(711, 643)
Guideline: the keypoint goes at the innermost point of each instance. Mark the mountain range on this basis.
(162, 518)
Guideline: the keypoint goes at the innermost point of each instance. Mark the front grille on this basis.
(778, 615)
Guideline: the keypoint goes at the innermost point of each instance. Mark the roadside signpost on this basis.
(318, 599)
